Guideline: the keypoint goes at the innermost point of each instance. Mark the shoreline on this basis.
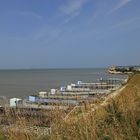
(21, 84)
(66, 96)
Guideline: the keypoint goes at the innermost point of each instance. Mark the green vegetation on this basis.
(2, 137)
(127, 70)
(118, 119)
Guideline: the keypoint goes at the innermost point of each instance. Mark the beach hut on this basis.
(53, 91)
(42, 94)
(33, 98)
(14, 102)
(69, 87)
(79, 82)
(62, 89)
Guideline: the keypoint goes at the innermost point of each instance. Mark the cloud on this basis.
(121, 4)
(31, 14)
(71, 17)
(72, 8)
(47, 35)
(67, 11)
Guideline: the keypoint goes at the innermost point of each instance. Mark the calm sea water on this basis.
(21, 83)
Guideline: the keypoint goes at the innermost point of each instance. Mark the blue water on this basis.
(21, 83)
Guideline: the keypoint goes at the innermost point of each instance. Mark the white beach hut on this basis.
(42, 94)
(14, 102)
(53, 91)
(69, 87)
(62, 89)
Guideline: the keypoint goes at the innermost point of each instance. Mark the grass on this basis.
(118, 119)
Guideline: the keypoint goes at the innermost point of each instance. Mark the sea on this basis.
(22, 83)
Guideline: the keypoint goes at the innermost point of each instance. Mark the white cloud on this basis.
(72, 6)
(118, 5)
(121, 4)
(72, 9)
(47, 34)
(68, 10)
(71, 17)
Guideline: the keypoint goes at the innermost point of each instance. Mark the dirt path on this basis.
(94, 107)
(110, 96)
(113, 95)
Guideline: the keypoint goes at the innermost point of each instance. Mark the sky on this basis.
(69, 33)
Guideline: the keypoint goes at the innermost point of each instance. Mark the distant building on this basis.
(62, 89)
(123, 69)
(33, 98)
(53, 91)
(14, 102)
(42, 94)
(79, 82)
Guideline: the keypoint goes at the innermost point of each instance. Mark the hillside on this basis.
(116, 117)
(119, 119)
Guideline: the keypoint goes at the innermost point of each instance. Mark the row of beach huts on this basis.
(72, 94)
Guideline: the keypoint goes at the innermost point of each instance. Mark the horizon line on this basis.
(52, 68)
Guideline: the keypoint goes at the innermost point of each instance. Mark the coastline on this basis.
(21, 84)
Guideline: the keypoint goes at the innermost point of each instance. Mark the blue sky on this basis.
(69, 33)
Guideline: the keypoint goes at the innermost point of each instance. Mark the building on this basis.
(53, 91)
(14, 102)
(123, 69)
(42, 94)
(62, 89)
(33, 98)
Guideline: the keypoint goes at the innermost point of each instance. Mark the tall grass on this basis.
(118, 119)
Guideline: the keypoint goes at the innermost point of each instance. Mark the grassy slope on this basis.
(119, 119)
